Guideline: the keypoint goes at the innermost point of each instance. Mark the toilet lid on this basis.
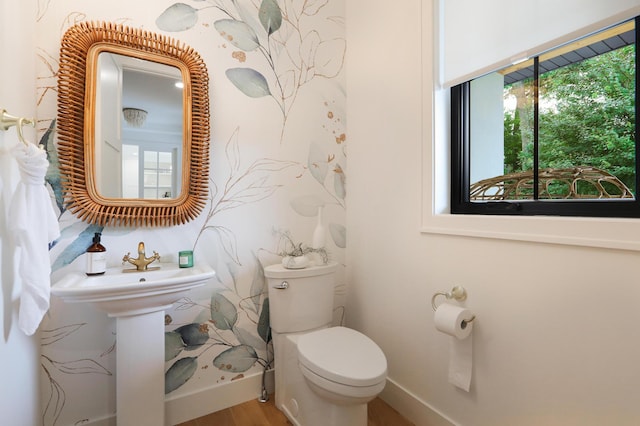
(343, 355)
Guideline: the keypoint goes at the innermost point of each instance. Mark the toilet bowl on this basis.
(342, 364)
(324, 375)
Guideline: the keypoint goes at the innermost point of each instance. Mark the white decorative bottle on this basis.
(318, 234)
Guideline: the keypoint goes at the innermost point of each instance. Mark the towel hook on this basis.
(7, 120)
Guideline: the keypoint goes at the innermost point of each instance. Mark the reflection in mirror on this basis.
(139, 134)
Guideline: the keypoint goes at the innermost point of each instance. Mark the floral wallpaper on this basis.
(278, 147)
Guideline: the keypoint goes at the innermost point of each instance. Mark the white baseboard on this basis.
(104, 421)
(186, 407)
(206, 401)
(190, 406)
(411, 407)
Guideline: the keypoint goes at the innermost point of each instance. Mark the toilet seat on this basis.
(343, 356)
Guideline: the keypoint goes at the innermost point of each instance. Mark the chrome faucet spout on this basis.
(142, 262)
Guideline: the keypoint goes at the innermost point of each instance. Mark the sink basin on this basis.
(137, 300)
(132, 293)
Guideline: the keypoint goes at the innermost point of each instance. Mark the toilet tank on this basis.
(306, 302)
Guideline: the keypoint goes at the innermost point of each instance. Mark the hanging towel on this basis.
(33, 224)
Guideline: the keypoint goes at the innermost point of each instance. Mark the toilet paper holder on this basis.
(457, 292)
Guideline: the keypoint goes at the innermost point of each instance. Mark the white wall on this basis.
(19, 354)
(556, 340)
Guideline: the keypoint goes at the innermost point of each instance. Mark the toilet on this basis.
(324, 375)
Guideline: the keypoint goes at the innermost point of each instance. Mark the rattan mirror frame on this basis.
(76, 122)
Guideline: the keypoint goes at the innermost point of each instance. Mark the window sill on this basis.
(621, 234)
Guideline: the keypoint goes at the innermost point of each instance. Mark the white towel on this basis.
(34, 224)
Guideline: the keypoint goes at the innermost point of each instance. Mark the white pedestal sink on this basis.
(137, 300)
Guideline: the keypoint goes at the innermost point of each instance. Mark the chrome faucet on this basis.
(142, 261)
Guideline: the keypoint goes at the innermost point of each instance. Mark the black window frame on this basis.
(460, 166)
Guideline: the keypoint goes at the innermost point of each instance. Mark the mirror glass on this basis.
(139, 133)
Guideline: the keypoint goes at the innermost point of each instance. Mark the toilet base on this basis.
(296, 399)
(338, 415)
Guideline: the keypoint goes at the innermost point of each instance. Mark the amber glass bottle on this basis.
(96, 257)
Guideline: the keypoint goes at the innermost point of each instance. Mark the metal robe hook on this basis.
(7, 120)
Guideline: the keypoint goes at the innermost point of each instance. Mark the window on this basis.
(553, 135)
(157, 170)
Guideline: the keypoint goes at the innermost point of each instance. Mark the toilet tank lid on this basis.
(279, 271)
(343, 355)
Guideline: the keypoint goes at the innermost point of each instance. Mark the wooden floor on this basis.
(254, 413)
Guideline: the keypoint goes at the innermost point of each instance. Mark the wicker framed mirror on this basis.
(86, 123)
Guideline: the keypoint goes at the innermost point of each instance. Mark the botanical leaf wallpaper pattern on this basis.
(55, 370)
(291, 56)
(278, 147)
(249, 81)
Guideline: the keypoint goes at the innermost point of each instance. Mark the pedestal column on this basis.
(140, 369)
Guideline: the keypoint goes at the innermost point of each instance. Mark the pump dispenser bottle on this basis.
(96, 257)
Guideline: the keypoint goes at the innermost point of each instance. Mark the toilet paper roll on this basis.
(450, 319)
